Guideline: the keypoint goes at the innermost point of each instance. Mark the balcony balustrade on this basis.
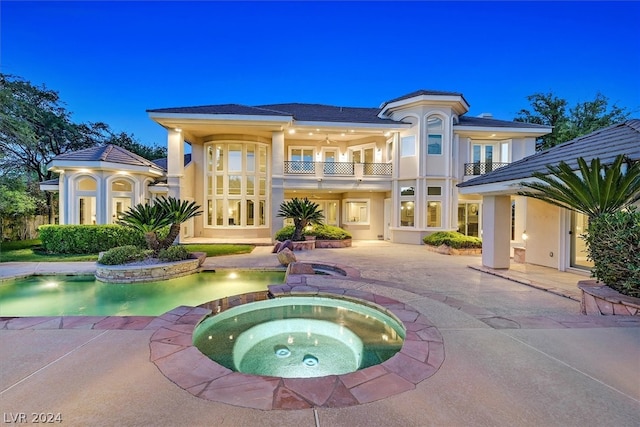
(336, 168)
(480, 168)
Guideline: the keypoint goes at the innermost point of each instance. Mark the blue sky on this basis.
(111, 61)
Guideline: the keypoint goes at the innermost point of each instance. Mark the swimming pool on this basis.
(84, 296)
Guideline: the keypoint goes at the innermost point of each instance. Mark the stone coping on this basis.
(173, 353)
(141, 273)
(600, 299)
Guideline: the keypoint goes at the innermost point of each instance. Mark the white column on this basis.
(277, 180)
(175, 162)
(103, 199)
(63, 183)
(496, 231)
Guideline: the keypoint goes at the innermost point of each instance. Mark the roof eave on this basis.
(60, 165)
(349, 125)
(159, 117)
(500, 129)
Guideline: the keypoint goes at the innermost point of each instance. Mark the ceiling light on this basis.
(292, 131)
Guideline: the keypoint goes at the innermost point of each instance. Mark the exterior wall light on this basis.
(525, 236)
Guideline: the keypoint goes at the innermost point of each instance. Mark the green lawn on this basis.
(221, 249)
(30, 251)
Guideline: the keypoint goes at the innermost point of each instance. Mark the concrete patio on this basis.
(514, 354)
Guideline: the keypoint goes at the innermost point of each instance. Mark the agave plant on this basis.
(148, 219)
(176, 211)
(592, 190)
(303, 212)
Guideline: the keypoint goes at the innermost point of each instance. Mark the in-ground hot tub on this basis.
(300, 336)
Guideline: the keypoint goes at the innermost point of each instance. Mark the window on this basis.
(86, 188)
(121, 198)
(408, 146)
(434, 135)
(236, 185)
(434, 191)
(407, 203)
(434, 213)
(356, 211)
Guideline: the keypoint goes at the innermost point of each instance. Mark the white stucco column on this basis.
(63, 184)
(103, 198)
(496, 231)
(277, 180)
(175, 162)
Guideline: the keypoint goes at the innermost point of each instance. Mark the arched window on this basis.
(434, 135)
(86, 200)
(121, 198)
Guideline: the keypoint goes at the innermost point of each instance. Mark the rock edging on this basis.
(448, 250)
(600, 299)
(150, 272)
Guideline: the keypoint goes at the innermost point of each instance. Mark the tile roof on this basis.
(487, 122)
(330, 113)
(300, 112)
(106, 153)
(233, 109)
(606, 144)
(424, 92)
(163, 162)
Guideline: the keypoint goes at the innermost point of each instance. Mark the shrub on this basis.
(322, 232)
(452, 239)
(328, 232)
(285, 233)
(613, 242)
(87, 239)
(174, 253)
(123, 255)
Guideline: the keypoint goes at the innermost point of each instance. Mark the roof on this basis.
(605, 144)
(163, 162)
(233, 109)
(495, 123)
(106, 153)
(299, 112)
(425, 92)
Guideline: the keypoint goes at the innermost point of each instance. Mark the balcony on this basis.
(337, 168)
(480, 168)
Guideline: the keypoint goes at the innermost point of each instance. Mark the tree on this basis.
(130, 143)
(152, 219)
(583, 118)
(177, 212)
(592, 190)
(16, 205)
(303, 212)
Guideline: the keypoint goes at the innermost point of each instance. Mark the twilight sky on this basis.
(111, 61)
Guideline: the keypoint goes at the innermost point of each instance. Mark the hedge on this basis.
(321, 232)
(87, 239)
(124, 254)
(452, 239)
(613, 244)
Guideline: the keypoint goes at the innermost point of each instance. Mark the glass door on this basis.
(579, 225)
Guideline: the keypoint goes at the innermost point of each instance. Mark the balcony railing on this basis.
(480, 168)
(337, 168)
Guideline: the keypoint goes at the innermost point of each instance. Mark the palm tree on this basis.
(592, 190)
(148, 219)
(177, 212)
(303, 212)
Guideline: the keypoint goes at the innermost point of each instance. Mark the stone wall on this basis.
(149, 272)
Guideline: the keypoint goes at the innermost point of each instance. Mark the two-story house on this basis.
(381, 173)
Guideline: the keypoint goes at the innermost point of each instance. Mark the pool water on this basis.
(84, 296)
(299, 337)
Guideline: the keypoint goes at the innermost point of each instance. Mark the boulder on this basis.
(288, 244)
(286, 256)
